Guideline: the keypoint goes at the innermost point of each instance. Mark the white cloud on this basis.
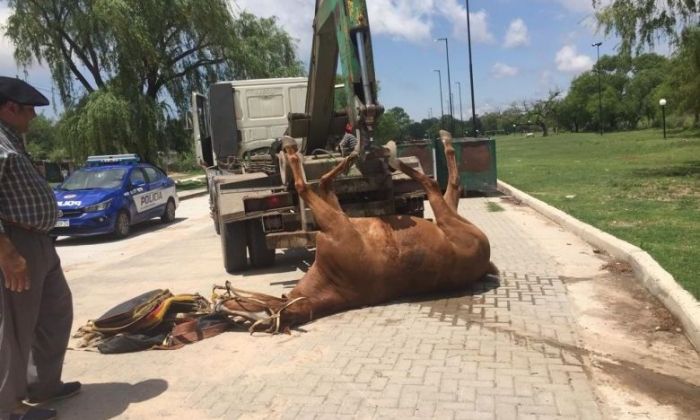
(580, 5)
(500, 70)
(517, 34)
(569, 60)
(456, 14)
(409, 20)
(576, 5)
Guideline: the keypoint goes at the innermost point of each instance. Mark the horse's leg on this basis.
(453, 190)
(330, 218)
(326, 184)
(441, 208)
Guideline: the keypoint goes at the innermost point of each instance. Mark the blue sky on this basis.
(521, 48)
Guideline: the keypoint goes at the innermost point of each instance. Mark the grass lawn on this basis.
(634, 185)
(190, 185)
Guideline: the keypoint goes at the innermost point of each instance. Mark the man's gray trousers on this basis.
(34, 325)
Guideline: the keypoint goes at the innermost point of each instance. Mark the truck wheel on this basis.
(233, 246)
(260, 255)
(122, 226)
(169, 213)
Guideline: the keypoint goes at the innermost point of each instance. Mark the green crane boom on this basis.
(341, 30)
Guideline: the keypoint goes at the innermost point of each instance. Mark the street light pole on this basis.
(449, 82)
(461, 115)
(442, 108)
(662, 102)
(471, 72)
(600, 100)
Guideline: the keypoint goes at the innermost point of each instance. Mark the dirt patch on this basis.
(633, 301)
(617, 267)
(665, 389)
(512, 200)
(641, 363)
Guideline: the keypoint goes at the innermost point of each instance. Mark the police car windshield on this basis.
(95, 178)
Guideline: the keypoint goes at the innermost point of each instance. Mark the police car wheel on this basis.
(122, 226)
(169, 213)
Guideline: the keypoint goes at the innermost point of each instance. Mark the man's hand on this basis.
(13, 265)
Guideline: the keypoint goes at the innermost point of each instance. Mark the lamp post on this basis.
(442, 108)
(600, 100)
(461, 115)
(449, 81)
(471, 72)
(662, 103)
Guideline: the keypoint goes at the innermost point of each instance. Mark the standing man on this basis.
(348, 142)
(36, 307)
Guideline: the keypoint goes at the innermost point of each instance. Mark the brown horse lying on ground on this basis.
(371, 260)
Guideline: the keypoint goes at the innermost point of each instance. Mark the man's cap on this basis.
(21, 92)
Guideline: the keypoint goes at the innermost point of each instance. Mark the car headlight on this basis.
(99, 206)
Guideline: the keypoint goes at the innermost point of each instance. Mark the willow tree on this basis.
(642, 23)
(121, 66)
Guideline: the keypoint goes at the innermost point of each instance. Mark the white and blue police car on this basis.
(110, 194)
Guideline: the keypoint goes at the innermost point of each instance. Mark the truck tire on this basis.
(233, 246)
(260, 255)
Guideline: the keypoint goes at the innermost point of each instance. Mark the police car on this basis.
(112, 193)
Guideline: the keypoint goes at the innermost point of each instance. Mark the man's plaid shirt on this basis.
(25, 197)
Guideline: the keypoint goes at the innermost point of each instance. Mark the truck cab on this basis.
(239, 120)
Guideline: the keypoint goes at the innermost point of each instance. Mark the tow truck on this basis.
(254, 204)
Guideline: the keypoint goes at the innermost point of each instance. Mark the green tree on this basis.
(121, 62)
(648, 72)
(393, 125)
(542, 112)
(491, 121)
(41, 138)
(682, 85)
(639, 23)
(431, 127)
(417, 130)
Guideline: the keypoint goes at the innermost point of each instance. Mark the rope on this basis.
(243, 296)
(277, 317)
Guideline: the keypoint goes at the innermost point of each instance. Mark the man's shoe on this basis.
(35, 414)
(68, 389)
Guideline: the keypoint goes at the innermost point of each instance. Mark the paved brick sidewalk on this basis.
(503, 351)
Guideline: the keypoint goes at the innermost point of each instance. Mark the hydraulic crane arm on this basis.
(341, 29)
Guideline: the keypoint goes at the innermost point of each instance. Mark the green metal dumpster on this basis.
(424, 150)
(476, 163)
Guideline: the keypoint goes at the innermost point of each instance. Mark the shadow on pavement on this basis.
(109, 400)
(486, 284)
(136, 231)
(288, 261)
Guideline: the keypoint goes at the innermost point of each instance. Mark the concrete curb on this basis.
(185, 195)
(657, 280)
